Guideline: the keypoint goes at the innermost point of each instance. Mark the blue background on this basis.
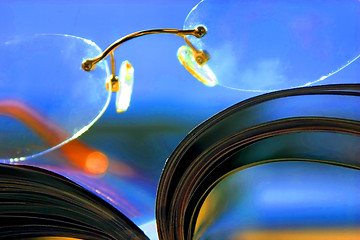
(167, 101)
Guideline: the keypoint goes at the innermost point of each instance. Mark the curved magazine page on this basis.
(305, 124)
(37, 203)
(291, 146)
(283, 200)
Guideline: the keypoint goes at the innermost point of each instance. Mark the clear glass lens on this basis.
(45, 96)
(260, 45)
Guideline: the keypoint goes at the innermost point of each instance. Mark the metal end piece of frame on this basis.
(112, 83)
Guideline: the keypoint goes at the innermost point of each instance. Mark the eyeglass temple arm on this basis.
(77, 152)
(200, 31)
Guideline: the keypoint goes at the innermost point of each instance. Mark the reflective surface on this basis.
(271, 45)
(45, 96)
(202, 72)
(126, 82)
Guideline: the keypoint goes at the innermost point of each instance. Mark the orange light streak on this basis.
(91, 160)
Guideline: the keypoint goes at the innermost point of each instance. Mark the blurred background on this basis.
(167, 101)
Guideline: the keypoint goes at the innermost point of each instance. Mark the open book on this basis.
(202, 193)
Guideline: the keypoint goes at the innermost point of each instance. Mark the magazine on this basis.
(270, 128)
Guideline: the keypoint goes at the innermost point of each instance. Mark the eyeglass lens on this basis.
(272, 45)
(45, 97)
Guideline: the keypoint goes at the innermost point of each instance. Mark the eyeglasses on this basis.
(253, 46)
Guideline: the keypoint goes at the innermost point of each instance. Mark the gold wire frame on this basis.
(201, 57)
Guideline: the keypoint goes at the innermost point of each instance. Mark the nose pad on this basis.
(126, 82)
(190, 60)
